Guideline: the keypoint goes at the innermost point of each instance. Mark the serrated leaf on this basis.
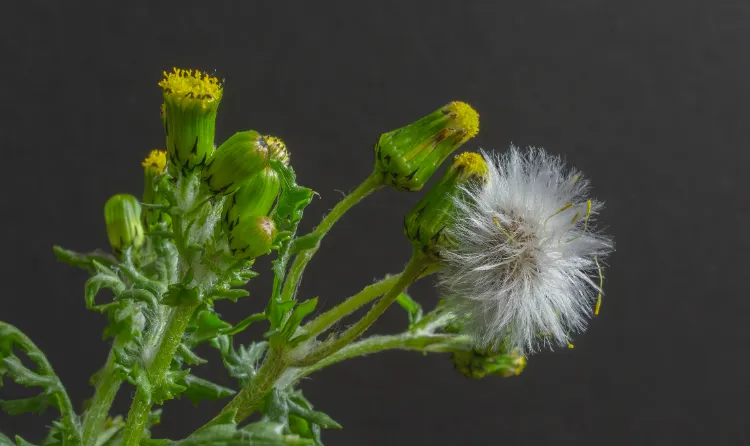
(241, 363)
(205, 325)
(413, 309)
(200, 389)
(171, 386)
(95, 284)
(187, 355)
(36, 404)
(179, 294)
(84, 261)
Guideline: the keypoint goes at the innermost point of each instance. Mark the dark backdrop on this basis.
(648, 98)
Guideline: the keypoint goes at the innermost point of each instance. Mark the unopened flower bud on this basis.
(252, 237)
(407, 157)
(478, 364)
(256, 196)
(424, 225)
(122, 214)
(277, 148)
(191, 99)
(236, 160)
(153, 167)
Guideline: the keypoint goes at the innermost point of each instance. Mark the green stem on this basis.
(106, 388)
(139, 411)
(413, 270)
(367, 295)
(251, 397)
(372, 183)
(405, 341)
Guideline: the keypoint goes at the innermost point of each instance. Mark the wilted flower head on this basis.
(525, 266)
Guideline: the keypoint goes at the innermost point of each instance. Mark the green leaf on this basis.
(84, 261)
(413, 309)
(21, 442)
(243, 324)
(232, 294)
(5, 441)
(299, 313)
(287, 214)
(179, 294)
(104, 279)
(243, 362)
(200, 389)
(36, 404)
(170, 387)
(187, 355)
(295, 413)
(204, 326)
(308, 241)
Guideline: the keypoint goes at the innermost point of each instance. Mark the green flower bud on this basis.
(477, 364)
(191, 99)
(252, 237)
(407, 157)
(278, 149)
(236, 160)
(122, 213)
(153, 167)
(424, 225)
(256, 196)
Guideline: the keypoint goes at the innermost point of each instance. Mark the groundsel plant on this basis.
(511, 237)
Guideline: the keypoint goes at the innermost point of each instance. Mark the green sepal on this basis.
(413, 309)
(198, 389)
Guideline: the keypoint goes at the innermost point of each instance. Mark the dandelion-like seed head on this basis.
(525, 265)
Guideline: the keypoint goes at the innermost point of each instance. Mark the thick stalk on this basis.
(413, 270)
(106, 389)
(139, 411)
(372, 183)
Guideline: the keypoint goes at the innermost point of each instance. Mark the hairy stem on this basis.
(106, 388)
(413, 270)
(139, 411)
(367, 295)
(372, 183)
(425, 342)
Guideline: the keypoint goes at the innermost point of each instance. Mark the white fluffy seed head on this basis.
(524, 268)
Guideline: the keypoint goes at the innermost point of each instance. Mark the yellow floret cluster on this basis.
(191, 83)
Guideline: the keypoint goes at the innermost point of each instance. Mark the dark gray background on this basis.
(648, 98)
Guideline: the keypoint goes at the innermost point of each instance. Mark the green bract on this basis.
(252, 237)
(426, 222)
(255, 196)
(407, 157)
(122, 214)
(238, 158)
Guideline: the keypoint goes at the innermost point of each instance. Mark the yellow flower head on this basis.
(465, 117)
(192, 84)
(471, 163)
(155, 162)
